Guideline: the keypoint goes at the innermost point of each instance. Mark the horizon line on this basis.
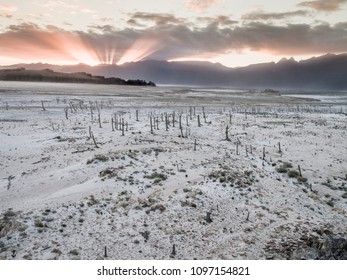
(170, 61)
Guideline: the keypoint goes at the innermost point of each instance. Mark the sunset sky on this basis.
(232, 32)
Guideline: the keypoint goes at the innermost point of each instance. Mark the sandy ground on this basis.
(157, 195)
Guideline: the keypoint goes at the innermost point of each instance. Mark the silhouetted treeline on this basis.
(47, 75)
(140, 83)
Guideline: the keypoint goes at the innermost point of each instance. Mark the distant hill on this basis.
(48, 75)
(326, 72)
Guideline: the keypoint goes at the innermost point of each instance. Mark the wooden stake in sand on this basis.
(73, 108)
(227, 134)
(203, 114)
(117, 122)
(208, 217)
(180, 125)
(9, 181)
(173, 252)
(90, 132)
(43, 106)
(151, 124)
(99, 119)
(66, 110)
(96, 145)
(166, 122)
(91, 111)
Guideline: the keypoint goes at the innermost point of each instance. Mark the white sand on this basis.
(255, 210)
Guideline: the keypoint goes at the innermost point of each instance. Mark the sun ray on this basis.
(113, 53)
(76, 48)
(141, 49)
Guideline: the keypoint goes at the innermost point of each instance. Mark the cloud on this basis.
(224, 20)
(54, 4)
(8, 8)
(142, 20)
(341, 25)
(29, 41)
(211, 40)
(200, 5)
(292, 39)
(105, 19)
(135, 23)
(324, 5)
(102, 28)
(157, 19)
(66, 23)
(219, 20)
(5, 15)
(87, 11)
(260, 15)
(106, 44)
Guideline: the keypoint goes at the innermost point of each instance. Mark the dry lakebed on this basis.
(104, 172)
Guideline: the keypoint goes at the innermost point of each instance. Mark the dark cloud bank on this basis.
(324, 5)
(173, 37)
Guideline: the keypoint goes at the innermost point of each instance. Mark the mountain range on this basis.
(327, 72)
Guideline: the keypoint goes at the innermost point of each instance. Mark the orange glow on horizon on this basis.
(139, 50)
(201, 57)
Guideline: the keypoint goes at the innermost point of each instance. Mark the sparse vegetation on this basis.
(282, 169)
(109, 173)
(74, 252)
(38, 223)
(293, 173)
(97, 158)
(302, 179)
(92, 200)
(157, 177)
